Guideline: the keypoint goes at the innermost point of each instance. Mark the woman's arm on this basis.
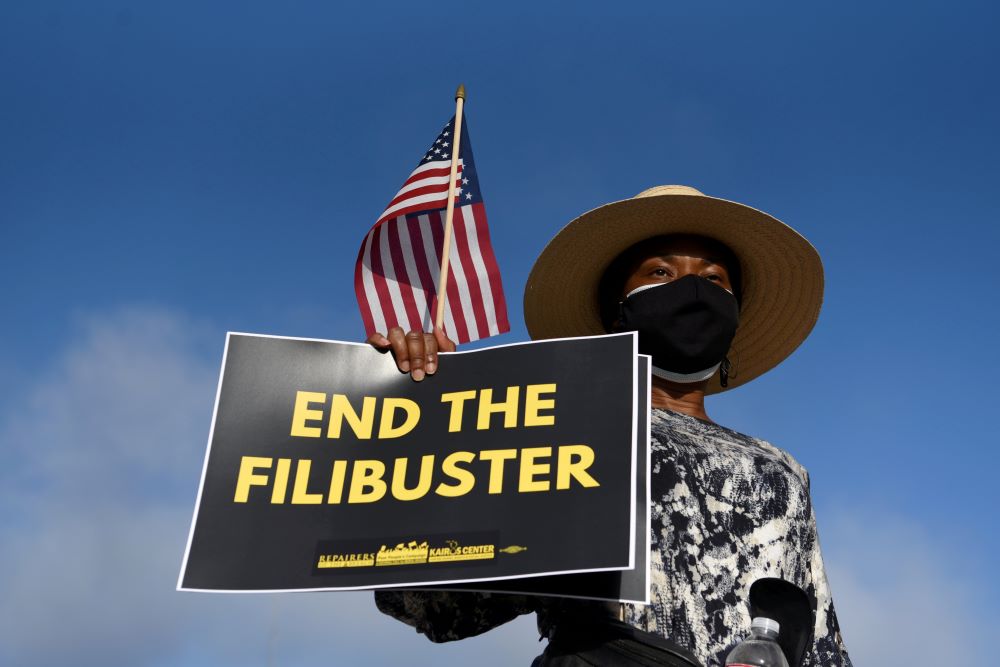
(828, 649)
(446, 616)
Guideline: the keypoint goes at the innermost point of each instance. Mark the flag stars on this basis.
(468, 195)
(465, 181)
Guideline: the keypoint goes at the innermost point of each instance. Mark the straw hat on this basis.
(781, 272)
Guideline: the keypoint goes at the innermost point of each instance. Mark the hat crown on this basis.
(670, 190)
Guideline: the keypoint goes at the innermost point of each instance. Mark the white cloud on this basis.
(905, 595)
(123, 404)
(102, 460)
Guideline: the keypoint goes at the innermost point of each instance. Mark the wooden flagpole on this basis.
(450, 213)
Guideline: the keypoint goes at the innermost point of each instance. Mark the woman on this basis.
(719, 293)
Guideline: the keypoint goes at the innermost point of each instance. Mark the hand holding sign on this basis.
(415, 352)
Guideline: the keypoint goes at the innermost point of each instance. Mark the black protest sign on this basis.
(328, 469)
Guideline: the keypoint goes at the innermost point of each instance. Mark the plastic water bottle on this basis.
(760, 649)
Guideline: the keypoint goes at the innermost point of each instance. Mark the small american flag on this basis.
(396, 276)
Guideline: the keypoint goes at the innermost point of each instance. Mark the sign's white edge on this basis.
(478, 349)
(407, 585)
(649, 478)
(635, 427)
(204, 465)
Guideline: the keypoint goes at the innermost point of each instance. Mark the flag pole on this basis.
(450, 213)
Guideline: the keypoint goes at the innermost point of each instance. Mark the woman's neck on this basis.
(686, 398)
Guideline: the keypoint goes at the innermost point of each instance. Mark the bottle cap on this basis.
(765, 624)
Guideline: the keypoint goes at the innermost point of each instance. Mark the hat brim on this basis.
(782, 275)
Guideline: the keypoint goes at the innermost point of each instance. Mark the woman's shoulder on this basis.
(684, 431)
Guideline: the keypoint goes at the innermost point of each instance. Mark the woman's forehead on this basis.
(682, 246)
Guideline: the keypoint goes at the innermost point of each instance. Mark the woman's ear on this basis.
(616, 325)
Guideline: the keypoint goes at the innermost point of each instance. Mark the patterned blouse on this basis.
(727, 509)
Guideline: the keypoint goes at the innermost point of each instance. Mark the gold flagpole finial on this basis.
(460, 93)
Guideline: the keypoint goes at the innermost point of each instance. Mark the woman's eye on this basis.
(714, 277)
(659, 273)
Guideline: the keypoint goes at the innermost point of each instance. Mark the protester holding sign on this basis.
(719, 293)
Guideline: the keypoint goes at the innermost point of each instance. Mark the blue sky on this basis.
(172, 171)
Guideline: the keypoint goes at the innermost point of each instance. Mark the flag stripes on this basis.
(404, 259)
(423, 191)
(396, 276)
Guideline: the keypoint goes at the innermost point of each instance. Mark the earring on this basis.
(724, 369)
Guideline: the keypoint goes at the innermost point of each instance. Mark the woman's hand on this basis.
(416, 352)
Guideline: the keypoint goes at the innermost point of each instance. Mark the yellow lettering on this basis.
(342, 409)
(302, 413)
(466, 480)
(369, 483)
(399, 490)
(568, 468)
(247, 477)
(529, 469)
(280, 482)
(300, 494)
(508, 407)
(367, 474)
(337, 482)
(389, 406)
(496, 457)
(457, 400)
(533, 404)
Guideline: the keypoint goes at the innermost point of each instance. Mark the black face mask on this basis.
(686, 326)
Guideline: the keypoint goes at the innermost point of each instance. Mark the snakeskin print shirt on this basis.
(727, 509)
